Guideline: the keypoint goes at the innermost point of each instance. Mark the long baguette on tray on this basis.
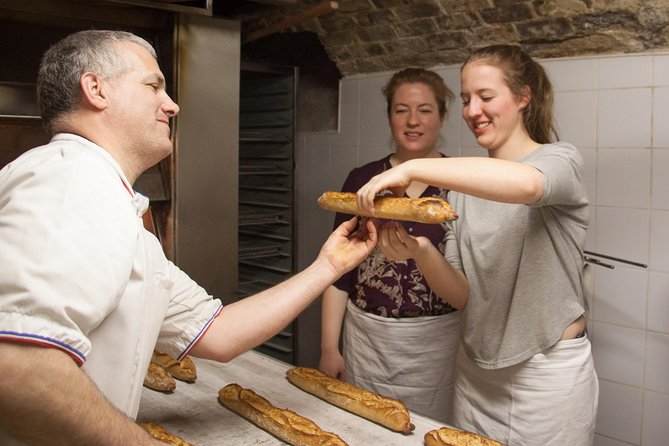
(283, 423)
(422, 210)
(447, 436)
(387, 412)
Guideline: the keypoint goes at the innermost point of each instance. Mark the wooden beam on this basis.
(318, 10)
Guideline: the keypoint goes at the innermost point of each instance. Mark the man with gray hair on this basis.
(86, 293)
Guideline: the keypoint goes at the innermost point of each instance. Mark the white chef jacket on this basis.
(80, 273)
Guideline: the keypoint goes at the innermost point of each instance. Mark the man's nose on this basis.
(171, 107)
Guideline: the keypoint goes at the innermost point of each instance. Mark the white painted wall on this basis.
(616, 110)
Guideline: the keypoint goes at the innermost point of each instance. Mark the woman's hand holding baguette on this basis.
(396, 244)
(395, 180)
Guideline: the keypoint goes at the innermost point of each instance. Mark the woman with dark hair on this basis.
(525, 373)
(399, 336)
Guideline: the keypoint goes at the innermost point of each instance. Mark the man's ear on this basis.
(93, 90)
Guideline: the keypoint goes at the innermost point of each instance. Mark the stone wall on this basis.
(365, 36)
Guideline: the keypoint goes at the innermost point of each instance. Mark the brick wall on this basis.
(367, 36)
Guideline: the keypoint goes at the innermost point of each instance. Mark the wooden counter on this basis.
(194, 413)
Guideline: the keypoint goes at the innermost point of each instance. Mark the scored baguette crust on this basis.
(422, 210)
(162, 359)
(160, 433)
(157, 378)
(183, 370)
(385, 411)
(447, 436)
(284, 423)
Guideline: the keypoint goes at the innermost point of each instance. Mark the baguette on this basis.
(183, 370)
(283, 423)
(159, 433)
(387, 412)
(422, 210)
(157, 378)
(447, 436)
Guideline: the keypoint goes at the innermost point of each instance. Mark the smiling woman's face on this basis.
(414, 119)
(492, 112)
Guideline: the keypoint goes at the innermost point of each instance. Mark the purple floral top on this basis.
(392, 288)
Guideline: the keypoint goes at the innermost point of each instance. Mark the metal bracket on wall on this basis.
(588, 258)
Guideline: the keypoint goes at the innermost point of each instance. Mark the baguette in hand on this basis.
(422, 210)
(387, 412)
(447, 436)
(283, 423)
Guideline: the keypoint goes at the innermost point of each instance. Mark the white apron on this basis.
(550, 399)
(409, 359)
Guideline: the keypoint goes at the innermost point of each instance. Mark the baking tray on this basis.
(194, 413)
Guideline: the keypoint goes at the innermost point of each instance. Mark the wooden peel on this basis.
(422, 210)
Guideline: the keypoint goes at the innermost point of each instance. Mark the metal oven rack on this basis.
(266, 203)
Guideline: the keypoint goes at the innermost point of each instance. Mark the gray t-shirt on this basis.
(524, 263)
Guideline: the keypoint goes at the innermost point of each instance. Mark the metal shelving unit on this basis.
(266, 203)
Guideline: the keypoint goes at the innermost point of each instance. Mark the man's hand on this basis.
(347, 247)
(251, 321)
